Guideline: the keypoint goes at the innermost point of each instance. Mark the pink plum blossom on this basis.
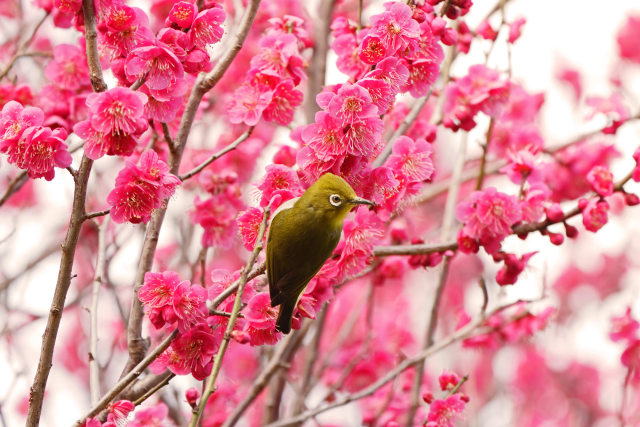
(624, 327)
(68, 69)
(395, 27)
(594, 214)
(489, 214)
(182, 14)
(206, 27)
(158, 62)
(141, 189)
(118, 110)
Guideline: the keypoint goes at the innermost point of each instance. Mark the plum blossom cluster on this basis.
(168, 301)
(518, 325)
(217, 213)
(141, 188)
(624, 329)
(257, 326)
(411, 35)
(269, 89)
(28, 144)
(63, 100)
(115, 121)
(481, 90)
(120, 411)
(160, 61)
(445, 411)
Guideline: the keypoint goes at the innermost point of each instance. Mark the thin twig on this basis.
(217, 362)
(129, 378)
(52, 249)
(98, 281)
(263, 379)
(483, 159)
(318, 66)
(97, 214)
(163, 382)
(21, 50)
(217, 155)
(402, 129)
(16, 184)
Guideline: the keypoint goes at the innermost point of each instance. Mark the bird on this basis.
(302, 235)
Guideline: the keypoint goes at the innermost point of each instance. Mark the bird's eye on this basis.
(335, 200)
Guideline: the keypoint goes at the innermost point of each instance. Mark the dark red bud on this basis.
(556, 238)
(572, 232)
(631, 199)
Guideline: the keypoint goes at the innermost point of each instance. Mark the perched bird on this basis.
(302, 235)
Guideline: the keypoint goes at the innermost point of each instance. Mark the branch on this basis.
(424, 248)
(97, 214)
(463, 333)
(403, 128)
(62, 287)
(128, 379)
(16, 184)
(98, 280)
(217, 362)
(69, 246)
(441, 186)
(521, 229)
(217, 155)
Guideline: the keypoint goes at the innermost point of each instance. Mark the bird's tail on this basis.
(283, 324)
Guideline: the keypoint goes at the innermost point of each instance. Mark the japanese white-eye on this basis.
(302, 235)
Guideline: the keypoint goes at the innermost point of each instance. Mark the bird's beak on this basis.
(361, 201)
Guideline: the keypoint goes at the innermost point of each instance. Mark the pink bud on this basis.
(192, 394)
(582, 203)
(449, 37)
(438, 25)
(419, 15)
(464, 398)
(453, 13)
(428, 397)
(556, 238)
(554, 213)
(631, 199)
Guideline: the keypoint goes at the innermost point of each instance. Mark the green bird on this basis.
(302, 235)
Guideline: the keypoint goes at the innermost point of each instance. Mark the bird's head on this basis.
(332, 197)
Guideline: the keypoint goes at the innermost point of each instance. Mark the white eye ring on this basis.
(335, 200)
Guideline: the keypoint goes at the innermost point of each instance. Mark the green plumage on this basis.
(302, 237)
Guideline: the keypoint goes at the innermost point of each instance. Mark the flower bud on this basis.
(192, 394)
(572, 232)
(556, 238)
(631, 199)
(554, 213)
